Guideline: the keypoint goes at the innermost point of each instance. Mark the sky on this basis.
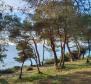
(15, 3)
(19, 4)
(20, 8)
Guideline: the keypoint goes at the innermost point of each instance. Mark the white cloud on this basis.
(18, 6)
(15, 3)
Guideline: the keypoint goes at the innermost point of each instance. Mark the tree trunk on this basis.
(38, 57)
(83, 56)
(70, 53)
(62, 61)
(37, 65)
(78, 47)
(89, 51)
(20, 76)
(43, 53)
(54, 52)
(31, 62)
(62, 56)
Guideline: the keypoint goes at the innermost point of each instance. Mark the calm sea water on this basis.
(9, 61)
(12, 52)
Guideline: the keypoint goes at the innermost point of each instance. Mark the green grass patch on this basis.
(74, 71)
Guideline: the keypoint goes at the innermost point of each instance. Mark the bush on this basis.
(30, 69)
(16, 68)
(66, 57)
(6, 71)
(50, 61)
(74, 56)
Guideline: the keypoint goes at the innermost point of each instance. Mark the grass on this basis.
(3, 81)
(75, 73)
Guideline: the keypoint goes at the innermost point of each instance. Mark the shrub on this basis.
(16, 68)
(74, 56)
(50, 61)
(6, 71)
(67, 57)
(29, 68)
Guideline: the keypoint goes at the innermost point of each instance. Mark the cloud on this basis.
(15, 3)
(17, 6)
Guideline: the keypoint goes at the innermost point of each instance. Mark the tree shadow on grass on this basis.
(41, 79)
(33, 78)
(3, 81)
(83, 77)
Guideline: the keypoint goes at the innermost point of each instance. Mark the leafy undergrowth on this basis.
(74, 73)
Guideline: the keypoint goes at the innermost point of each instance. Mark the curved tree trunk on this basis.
(38, 56)
(53, 47)
(78, 47)
(70, 53)
(31, 62)
(54, 52)
(37, 65)
(62, 55)
(20, 76)
(62, 61)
